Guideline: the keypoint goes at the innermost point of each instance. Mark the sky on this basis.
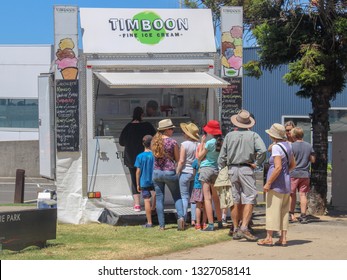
(31, 21)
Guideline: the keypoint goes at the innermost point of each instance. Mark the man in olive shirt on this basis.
(243, 151)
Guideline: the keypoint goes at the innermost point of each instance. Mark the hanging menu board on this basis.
(231, 102)
(67, 115)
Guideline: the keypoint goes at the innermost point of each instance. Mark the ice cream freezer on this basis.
(118, 72)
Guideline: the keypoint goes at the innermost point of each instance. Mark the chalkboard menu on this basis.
(231, 102)
(67, 115)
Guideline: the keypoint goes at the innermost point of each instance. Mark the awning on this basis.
(161, 80)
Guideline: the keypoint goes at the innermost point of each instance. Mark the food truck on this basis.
(129, 57)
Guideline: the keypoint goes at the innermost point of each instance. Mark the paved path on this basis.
(322, 239)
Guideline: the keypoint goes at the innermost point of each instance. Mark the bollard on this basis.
(19, 188)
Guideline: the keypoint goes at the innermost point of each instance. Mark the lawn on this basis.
(98, 241)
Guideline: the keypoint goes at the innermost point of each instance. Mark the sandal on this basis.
(281, 243)
(265, 242)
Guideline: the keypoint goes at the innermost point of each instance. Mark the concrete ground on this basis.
(323, 238)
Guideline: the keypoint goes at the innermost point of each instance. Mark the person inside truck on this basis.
(152, 109)
(131, 139)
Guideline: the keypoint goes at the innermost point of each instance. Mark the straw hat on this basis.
(213, 128)
(191, 130)
(277, 131)
(165, 124)
(243, 119)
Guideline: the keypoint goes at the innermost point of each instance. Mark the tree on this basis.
(311, 37)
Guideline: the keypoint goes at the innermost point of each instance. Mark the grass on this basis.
(106, 242)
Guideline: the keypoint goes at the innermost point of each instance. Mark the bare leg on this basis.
(216, 203)
(147, 202)
(303, 203)
(153, 201)
(208, 202)
(292, 205)
(198, 213)
(136, 199)
(235, 215)
(246, 214)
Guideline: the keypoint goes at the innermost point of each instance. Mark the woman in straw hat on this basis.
(277, 186)
(208, 154)
(166, 155)
(184, 167)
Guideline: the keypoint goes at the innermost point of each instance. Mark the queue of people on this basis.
(190, 169)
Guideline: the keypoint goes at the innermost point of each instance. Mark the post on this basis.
(19, 189)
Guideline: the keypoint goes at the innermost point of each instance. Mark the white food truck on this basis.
(129, 57)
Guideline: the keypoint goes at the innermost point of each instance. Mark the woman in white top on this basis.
(184, 166)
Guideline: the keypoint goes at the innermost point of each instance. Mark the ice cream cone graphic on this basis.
(67, 61)
(69, 73)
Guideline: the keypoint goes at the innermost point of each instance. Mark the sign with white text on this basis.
(147, 31)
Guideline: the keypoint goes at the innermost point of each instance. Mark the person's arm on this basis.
(203, 151)
(181, 161)
(260, 150)
(292, 163)
(222, 158)
(312, 158)
(176, 153)
(123, 136)
(138, 174)
(275, 173)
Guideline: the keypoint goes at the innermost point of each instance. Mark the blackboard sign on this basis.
(231, 102)
(67, 115)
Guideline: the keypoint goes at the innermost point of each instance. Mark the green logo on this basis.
(152, 29)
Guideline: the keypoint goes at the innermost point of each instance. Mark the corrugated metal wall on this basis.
(269, 98)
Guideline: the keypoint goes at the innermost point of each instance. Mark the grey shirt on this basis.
(242, 146)
(302, 152)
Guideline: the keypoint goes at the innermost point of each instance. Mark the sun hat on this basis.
(213, 128)
(277, 131)
(191, 130)
(165, 124)
(243, 119)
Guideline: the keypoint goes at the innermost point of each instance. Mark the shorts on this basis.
(208, 174)
(146, 192)
(300, 184)
(243, 189)
(196, 196)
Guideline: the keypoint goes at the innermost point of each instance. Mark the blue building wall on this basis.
(269, 98)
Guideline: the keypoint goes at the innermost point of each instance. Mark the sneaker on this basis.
(197, 226)
(247, 235)
(137, 208)
(208, 228)
(224, 222)
(303, 219)
(236, 235)
(220, 224)
(180, 224)
(147, 226)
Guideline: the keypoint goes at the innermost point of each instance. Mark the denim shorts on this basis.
(146, 192)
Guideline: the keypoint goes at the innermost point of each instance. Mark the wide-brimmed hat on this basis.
(191, 130)
(277, 131)
(165, 124)
(213, 128)
(243, 119)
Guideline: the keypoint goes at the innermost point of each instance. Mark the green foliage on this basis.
(253, 69)
(309, 70)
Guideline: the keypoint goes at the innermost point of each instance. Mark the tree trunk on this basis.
(317, 197)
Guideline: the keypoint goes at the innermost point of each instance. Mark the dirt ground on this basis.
(323, 238)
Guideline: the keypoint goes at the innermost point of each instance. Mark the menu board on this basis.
(231, 102)
(67, 115)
